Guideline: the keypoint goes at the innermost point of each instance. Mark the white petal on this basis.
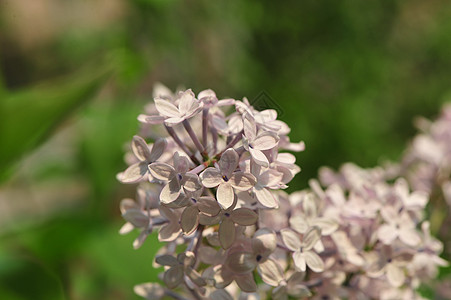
(170, 191)
(225, 195)
(173, 121)
(162, 171)
(250, 128)
(244, 216)
(228, 162)
(126, 228)
(208, 206)
(191, 182)
(328, 226)
(226, 233)
(409, 236)
(140, 148)
(241, 262)
(186, 101)
(149, 290)
(271, 272)
(259, 157)
(246, 283)
(387, 234)
(211, 177)
(169, 232)
(313, 261)
(173, 277)
(266, 198)
(134, 173)
(270, 178)
(153, 120)
(166, 260)
(311, 238)
(265, 140)
(395, 275)
(157, 149)
(242, 181)
(139, 241)
(299, 223)
(299, 261)
(166, 108)
(290, 239)
(189, 219)
(264, 242)
(195, 277)
(137, 217)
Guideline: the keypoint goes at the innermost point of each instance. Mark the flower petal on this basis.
(225, 195)
(173, 276)
(313, 261)
(299, 261)
(387, 234)
(290, 239)
(266, 198)
(244, 216)
(250, 127)
(149, 290)
(228, 162)
(327, 226)
(166, 260)
(299, 223)
(226, 233)
(153, 120)
(211, 177)
(259, 157)
(265, 140)
(395, 275)
(242, 181)
(169, 232)
(241, 262)
(189, 219)
(311, 238)
(140, 148)
(134, 173)
(137, 217)
(166, 108)
(191, 182)
(157, 149)
(246, 283)
(170, 191)
(208, 206)
(264, 242)
(271, 272)
(162, 171)
(195, 277)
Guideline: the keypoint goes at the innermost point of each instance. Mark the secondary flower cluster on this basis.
(427, 163)
(214, 190)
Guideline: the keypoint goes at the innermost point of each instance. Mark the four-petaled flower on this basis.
(226, 178)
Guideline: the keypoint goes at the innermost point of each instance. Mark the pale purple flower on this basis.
(180, 269)
(255, 142)
(303, 255)
(188, 107)
(146, 156)
(226, 178)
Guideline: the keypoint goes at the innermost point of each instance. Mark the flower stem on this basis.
(205, 127)
(193, 136)
(176, 139)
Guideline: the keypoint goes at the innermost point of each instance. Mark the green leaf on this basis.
(29, 116)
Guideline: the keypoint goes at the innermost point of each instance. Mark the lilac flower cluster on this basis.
(427, 162)
(214, 190)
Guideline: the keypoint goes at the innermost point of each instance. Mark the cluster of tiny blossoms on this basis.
(213, 187)
(427, 162)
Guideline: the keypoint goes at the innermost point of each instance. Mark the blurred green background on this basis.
(347, 76)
